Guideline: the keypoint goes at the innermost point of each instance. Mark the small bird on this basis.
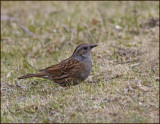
(70, 71)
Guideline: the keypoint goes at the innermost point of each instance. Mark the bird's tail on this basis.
(32, 75)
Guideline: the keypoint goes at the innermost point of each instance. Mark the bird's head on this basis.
(83, 50)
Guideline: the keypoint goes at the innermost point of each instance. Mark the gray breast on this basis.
(86, 60)
(88, 66)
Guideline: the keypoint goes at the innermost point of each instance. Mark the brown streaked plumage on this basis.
(70, 71)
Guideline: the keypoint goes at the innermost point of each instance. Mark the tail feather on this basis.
(31, 75)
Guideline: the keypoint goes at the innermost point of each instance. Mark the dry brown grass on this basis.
(124, 82)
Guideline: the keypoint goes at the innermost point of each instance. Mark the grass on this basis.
(125, 72)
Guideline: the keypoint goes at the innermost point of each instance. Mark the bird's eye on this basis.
(85, 48)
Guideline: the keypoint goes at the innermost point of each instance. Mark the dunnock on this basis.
(70, 71)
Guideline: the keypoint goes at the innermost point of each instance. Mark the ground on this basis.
(124, 82)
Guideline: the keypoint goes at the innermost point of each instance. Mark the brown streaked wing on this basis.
(61, 68)
(68, 65)
(52, 70)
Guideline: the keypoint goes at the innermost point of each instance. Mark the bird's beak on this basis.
(93, 45)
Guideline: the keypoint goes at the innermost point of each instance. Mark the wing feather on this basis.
(69, 66)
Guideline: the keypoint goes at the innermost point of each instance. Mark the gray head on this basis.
(83, 50)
